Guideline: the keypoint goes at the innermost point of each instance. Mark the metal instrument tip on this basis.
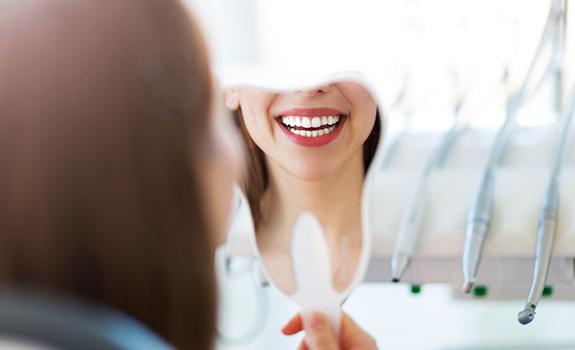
(468, 286)
(527, 315)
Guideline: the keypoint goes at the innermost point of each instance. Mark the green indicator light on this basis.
(547, 291)
(415, 289)
(480, 291)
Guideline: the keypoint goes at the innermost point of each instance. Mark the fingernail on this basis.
(316, 321)
(284, 329)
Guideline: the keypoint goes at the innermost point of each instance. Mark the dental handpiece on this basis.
(410, 227)
(409, 231)
(543, 251)
(548, 220)
(479, 214)
(478, 222)
(482, 202)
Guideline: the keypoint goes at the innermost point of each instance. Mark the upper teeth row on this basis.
(307, 122)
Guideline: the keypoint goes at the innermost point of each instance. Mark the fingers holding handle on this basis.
(321, 336)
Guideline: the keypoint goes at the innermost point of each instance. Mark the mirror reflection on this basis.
(307, 150)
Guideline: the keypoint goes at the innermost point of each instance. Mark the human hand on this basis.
(320, 335)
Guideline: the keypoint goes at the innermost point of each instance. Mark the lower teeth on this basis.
(314, 133)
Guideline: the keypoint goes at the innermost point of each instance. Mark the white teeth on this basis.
(312, 133)
(323, 124)
(288, 120)
(316, 122)
(307, 122)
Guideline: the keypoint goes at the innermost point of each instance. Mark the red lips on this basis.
(312, 112)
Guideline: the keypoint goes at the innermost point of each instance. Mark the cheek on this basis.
(364, 125)
(260, 129)
(254, 109)
(254, 106)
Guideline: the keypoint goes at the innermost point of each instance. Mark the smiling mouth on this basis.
(311, 127)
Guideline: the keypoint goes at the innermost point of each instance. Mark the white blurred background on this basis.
(440, 49)
(425, 43)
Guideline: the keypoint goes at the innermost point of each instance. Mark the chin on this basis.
(312, 172)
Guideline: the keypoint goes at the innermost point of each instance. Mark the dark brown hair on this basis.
(103, 108)
(255, 182)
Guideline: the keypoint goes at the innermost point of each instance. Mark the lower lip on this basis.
(313, 141)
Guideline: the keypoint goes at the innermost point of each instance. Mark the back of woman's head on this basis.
(103, 113)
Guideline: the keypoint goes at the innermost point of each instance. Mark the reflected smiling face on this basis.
(309, 133)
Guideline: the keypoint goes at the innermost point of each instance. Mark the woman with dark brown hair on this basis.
(113, 180)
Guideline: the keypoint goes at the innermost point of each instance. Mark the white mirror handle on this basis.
(313, 272)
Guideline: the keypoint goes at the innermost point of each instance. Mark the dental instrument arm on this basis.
(410, 228)
(548, 221)
(479, 215)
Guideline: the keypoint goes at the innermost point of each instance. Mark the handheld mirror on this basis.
(309, 159)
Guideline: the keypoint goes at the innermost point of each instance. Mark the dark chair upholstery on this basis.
(63, 323)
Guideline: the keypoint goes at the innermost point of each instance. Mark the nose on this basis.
(324, 89)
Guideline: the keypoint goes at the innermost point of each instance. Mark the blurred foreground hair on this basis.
(104, 109)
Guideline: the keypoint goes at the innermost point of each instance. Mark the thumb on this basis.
(319, 334)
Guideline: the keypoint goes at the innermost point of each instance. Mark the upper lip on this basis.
(311, 112)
